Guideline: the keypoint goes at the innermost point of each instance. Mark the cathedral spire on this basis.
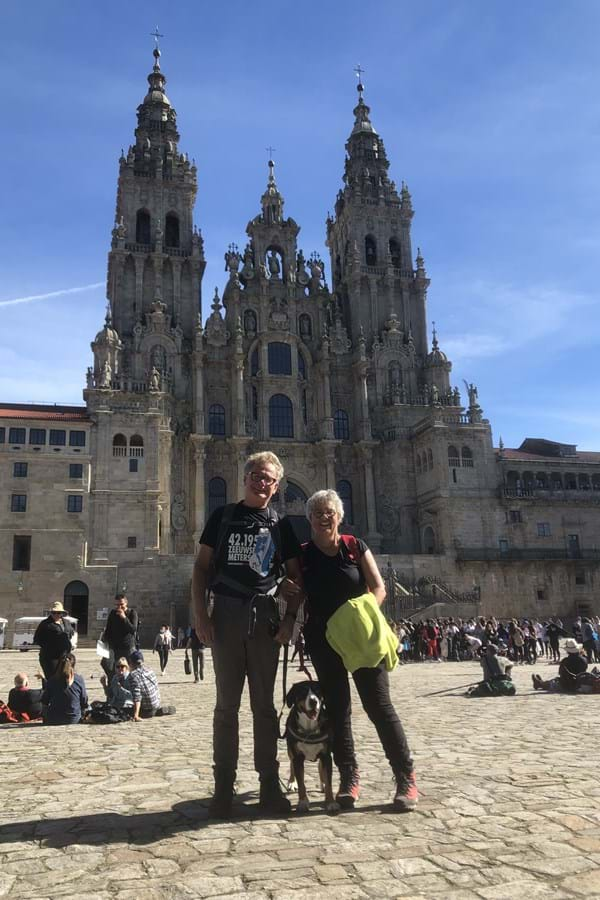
(272, 201)
(156, 133)
(365, 172)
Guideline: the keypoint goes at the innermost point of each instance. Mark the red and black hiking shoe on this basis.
(407, 795)
(349, 789)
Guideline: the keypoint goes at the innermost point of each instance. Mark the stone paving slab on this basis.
(510, 802)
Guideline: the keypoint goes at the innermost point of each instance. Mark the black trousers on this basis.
(198, 664)
(163, 655)
(374, 691)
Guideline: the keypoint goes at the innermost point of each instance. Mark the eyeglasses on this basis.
(258, 478)
(325, 514)
(122, 667)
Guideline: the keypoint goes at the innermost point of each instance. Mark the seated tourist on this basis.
(496, 675)
(571, 670)
(65, 696)
(118, 692)
(24, 701)
(143, 684)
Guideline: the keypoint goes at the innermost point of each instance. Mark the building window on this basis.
(136, 445)
(216, 419)
(58, 437)
(503, 545)
(344, 489)
(370, 250)
(77, 439)
(37, 435)
(134, 465)
(171, 230)
(541, 593)
(467, 457)
(142, 227)
(20, 470)
(21, 560)
(254, 362)
(281, 416)
(280, 358)
(543, 529)
(131, 543)
(119, 445)
(217, 494)
(18, 503)
(514, 516)
(429, 540)
(75, 470)
(74, 503)
(301, 366)
(395, 252)
(2, 435)
(453, 457)
(341, 425)
(430, 458)
(16, 435)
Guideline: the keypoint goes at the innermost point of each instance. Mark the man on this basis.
(23, 700)
(246, 545)
(571, 671)
(497, 679)
(53, 637)
(197, 647)
(119, 633)
(143, 684)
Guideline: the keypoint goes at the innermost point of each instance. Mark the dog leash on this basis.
(280, 733)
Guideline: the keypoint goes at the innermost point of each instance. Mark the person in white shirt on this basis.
(163, 645)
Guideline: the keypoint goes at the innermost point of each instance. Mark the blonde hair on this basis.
(122, 662)
(265, 457)
(320, 498)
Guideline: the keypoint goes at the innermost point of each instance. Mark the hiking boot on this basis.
(349, 789)
(220, 805)
(271, 798)
(407, 795)
(537, 682)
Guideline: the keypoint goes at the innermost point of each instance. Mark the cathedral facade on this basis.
(339, 380)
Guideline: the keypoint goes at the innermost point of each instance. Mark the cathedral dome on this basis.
(436, 357)
(108, 334)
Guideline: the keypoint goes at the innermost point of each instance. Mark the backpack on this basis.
(7, 716)
(351, 546)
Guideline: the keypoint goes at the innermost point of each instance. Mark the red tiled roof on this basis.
(51, 412)
(580, 456)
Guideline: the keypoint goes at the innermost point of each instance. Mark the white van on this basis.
(3, 624)
(26, 626)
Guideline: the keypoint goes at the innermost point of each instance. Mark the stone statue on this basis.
(248, 267)
(154, 379)
(89, 377)
(106, 375)
(472, 392)
(273, 263)
(316, 272)
(232, 260)
(435, 395)
(456, 397)
(302, 276)
(250, 321)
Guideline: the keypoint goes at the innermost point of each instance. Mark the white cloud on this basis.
(50, 295)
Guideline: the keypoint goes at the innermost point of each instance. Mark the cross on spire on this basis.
(358, 71)
(156, 35)
(270, 151)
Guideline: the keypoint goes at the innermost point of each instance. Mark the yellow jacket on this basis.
(360, 634)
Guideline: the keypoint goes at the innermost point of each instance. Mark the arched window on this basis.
(254, 362)
(419, 466)
(370, 250)
(344, 489)
(136, 445)
(254, 404)
(583, 482)
(428, 540)
(430, 458)
(171, 230)
(142, 227)
(541, 481)
(556, 481)
(305, 326)
(76, 600)
(158, 359)
(217, 494)
(570, 482)
(453, 457)
(119, 445)
(424, 461)
(395, 252)
(216, 419)
(301, 366)
(528, 481)
(281, 416)
(341, 425)
(280, 358)
(394, 376)
(250, 321)
(467, 457)
(596, 482)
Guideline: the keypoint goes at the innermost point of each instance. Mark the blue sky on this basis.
(489, 111)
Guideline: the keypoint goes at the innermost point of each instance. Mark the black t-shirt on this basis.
(24, 700)
(248, 553)
(570, 667)
(331, 580)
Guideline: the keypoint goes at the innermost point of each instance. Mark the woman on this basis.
(65, 696)
(333, 573)
(163, 644)
(117, 692)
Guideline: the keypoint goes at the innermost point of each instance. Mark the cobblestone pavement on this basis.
(510, 803)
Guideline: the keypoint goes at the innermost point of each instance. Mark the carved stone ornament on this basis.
(217, 334)
(338, 338)
(278, 318)
(178, 519)
(389, 519)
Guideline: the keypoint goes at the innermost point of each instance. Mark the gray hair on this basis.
(320, 498)
(264, 458)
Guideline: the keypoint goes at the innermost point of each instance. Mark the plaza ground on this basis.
(510, 802)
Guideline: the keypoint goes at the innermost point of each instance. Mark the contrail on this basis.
(51, 294)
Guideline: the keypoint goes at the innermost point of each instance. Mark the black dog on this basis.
(309, 737)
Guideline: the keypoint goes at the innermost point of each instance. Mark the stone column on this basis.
(240, 447)
(373, 537)
(199, 448)
(327, 423)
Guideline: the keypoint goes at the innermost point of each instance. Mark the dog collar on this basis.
(305, 740)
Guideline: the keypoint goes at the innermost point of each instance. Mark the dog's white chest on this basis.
(310, 751)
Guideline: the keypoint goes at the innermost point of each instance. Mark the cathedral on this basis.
(340, 380)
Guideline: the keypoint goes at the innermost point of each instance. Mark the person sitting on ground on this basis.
(497, 680)
(118, 692)
(143, 684)
(570, 669)
(65, 697)
(22, 700)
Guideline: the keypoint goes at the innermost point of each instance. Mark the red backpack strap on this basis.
(352, 547)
